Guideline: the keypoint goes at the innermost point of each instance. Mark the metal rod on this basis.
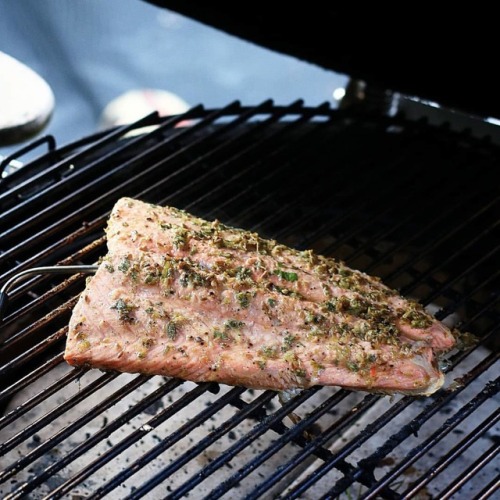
(72, 158)
(109, 175)
(46, 392)
(23, 275)
(51, 146)
(294, 107)
(459, 481)
(246, 411)
(34, 427)
(337, 427)
(233, 450)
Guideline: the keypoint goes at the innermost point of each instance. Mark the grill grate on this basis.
(414, 204)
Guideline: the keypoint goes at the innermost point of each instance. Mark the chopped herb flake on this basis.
(124, 265)
(124, 310)
(180, 239)
(271, 302)
(233, 324)
(171, 330)
(269, 352)
(286, 275)
(220, 335)
(243, 299)
(109, 268)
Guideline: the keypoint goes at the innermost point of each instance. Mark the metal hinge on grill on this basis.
(87, 269)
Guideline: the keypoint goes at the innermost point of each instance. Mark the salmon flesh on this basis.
(183, 297)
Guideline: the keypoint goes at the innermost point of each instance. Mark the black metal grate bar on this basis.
(223, 401)
(488, 491)
(67, 202)
(310, 448)
(32, 352)
(51, 146)
(340, 175)
(445, 461)
(444, 397)
(51, 389)
(45, 320)
(100, 436)
(119, 478)
(489, 391)
(25, 381)
(452, 257)
(50, 253)
(364, 192)
(246, 412)
(37, 179)
(258, 430)
(30, 430)
(240, 154)
(82, 175)
(428, 203)
(412, 427)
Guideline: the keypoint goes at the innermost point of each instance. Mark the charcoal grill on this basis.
(413, 203)
(408, 193)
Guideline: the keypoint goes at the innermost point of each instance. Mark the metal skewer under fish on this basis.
(37, 271)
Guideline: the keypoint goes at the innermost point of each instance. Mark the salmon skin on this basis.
(183, 297)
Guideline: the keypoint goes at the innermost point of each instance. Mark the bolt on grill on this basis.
(415, 204)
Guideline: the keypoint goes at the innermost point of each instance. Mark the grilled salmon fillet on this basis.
(180, 296)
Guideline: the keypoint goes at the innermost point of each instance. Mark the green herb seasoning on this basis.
(109, 268)
(234, 324)
(285, 291)
(242, 273)
(351, 365)
(168, 270)
(329, 306)
(288, 341)
(124, 265)
(171, 329)
(191, 277)
(124, 310)
(221, 335)
(152, 278)
(271, 302)
(416, 318)
(180, 239)
(244, 299)
(269, 352)
(315, 319)
(286, 275)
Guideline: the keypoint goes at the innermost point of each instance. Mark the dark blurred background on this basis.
(90, 52)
